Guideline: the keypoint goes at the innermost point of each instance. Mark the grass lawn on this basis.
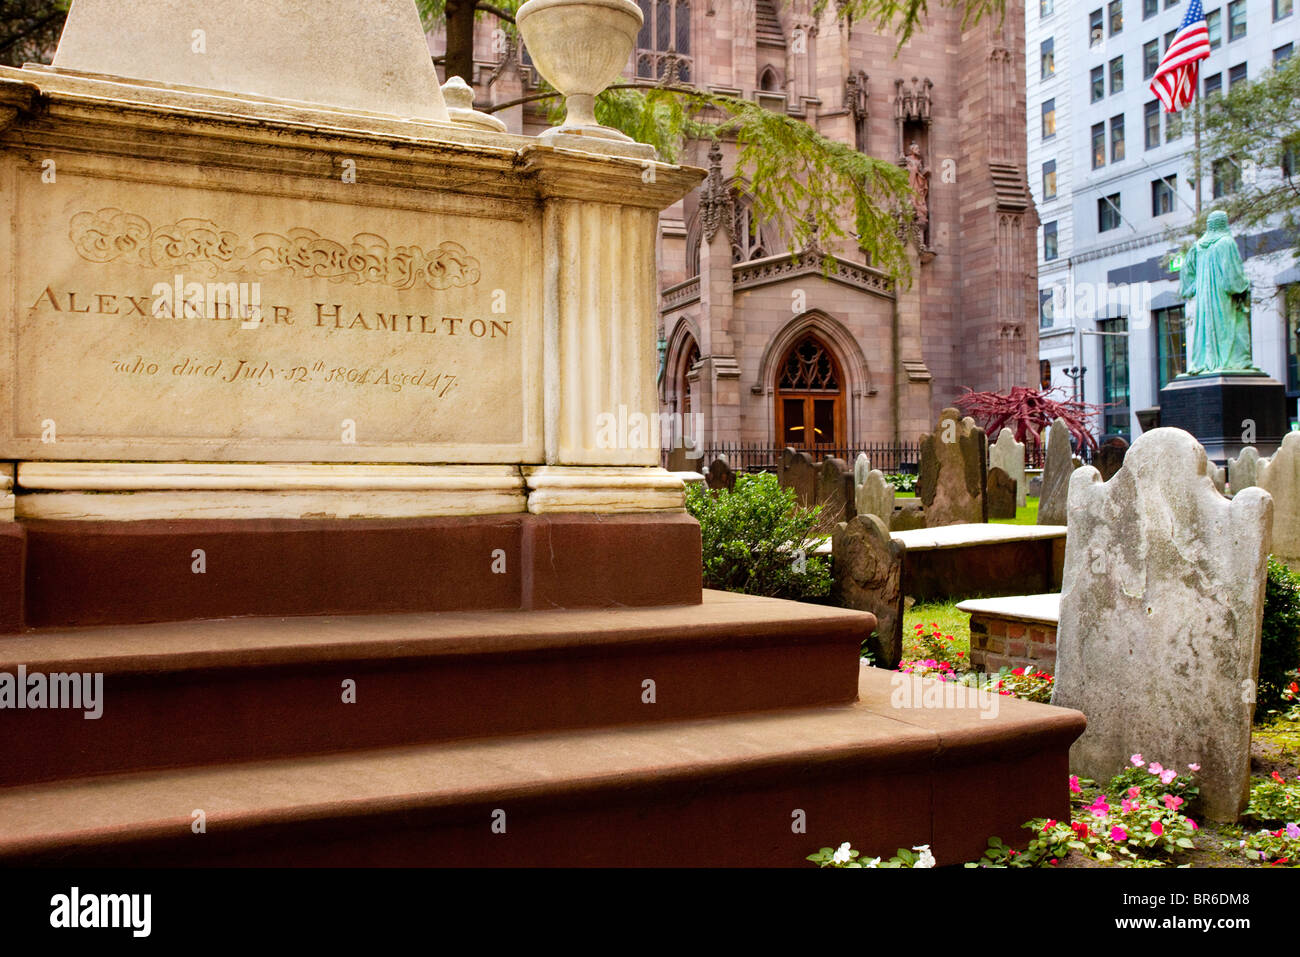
(1024, 516)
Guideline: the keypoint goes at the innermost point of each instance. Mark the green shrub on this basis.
(902, 481)
(758, 541)
(1279, 648)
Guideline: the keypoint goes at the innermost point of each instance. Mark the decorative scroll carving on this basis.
(204, 247)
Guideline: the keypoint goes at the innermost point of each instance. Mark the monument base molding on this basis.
(70, 573)
(1226, 413)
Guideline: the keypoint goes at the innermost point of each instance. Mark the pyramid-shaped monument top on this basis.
(358, 55)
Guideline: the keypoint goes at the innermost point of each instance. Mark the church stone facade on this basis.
(763, 347)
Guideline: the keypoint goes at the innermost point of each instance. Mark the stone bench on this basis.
(952, 561)
(1013, 632)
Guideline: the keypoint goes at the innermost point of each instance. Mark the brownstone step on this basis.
(716, 791)
(204, 692)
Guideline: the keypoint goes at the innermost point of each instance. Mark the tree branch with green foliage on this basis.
(1256, 127)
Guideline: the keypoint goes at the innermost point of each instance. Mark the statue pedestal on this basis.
(1219, 410)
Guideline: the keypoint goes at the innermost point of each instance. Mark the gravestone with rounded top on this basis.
(954, 459)
(1162, 603)
(1009, 455)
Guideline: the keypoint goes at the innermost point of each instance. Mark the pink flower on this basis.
(1138, 760)
(1193, 824)
(1133, 793)
(1167, 775)
(1127, 806)
(1172, 802)
(1099, 807)
(1154, 768)
(1118, 834)
(1193, 767)
(1157, 828)
(1074, 784)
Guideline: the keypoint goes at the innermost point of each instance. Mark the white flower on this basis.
(842, 855)
(874, 862)
(926, 859)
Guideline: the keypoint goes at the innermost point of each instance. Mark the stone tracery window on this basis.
(809, 396)
(665, 34)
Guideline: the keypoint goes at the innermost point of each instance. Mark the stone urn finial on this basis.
(580, 47)
(459, 97)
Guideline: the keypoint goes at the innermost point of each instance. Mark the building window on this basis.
(1098, 78)
(809, 396)
(1171, 344)
(1173, 126)
(1047, 58)
(1169, 38)
(1213, 85)
(1108, 213)
(1291, 156)
(1150, 8)
(1226, 176)
(1290, 296)
(1115, 11)
(1214, 28)
(665, 32)
(1117, 138)
(1114, 375)
(1049, 119)
(1151, 124)
(1162, 195)
(1117, 74)
(1046, 309)
(1098, 145)
(1044, 375)
(1282, 53)
(1150, 58)
(1236, 20)
(1236, 74)
(1095, 34)
(1170, 3)
(1049, 241)
(1282, 8)
(1046, 8)
(1049, 180)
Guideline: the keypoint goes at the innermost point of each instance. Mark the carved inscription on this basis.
(110, 235)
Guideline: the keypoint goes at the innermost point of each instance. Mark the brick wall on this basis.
(996, 643)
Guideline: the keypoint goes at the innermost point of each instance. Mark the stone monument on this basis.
(1279, 475)
(327, 418)
(868, 569)
(1058, 467)
(1223, 399)
(954, 460)
(1009, 455)
(1162, 602)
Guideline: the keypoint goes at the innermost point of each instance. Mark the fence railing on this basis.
(889, 457)
(759, 457)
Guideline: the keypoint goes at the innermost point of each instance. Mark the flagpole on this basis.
(1196, 148)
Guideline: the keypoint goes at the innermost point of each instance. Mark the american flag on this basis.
(1174, 83)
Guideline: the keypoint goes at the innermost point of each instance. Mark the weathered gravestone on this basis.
(684, 459)
(720, 475)
(1162, 602)
(835, 492)
(1279, 475)
(868, 570)
(1243, 471)
(796, 471)
(875, 496)
(861, 469)
(1009, 455)
(954, 460)
(1058, 466)
(1219, 477)
(1110, 456)
(1001, 494)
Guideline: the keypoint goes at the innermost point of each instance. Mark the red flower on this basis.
(1278, 778)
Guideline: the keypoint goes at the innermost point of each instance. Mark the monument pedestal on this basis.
(1227, 412)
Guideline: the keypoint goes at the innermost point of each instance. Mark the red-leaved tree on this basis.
(1028, 412)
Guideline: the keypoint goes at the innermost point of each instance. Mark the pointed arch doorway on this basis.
(810, 396)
